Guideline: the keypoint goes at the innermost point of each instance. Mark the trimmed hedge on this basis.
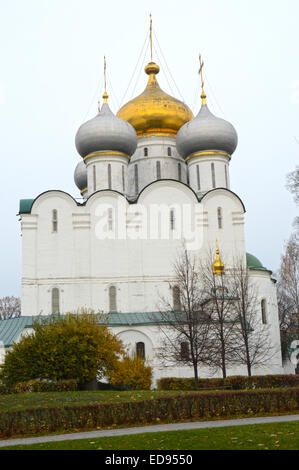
(237, 382)
(69, 385)
(208, 405)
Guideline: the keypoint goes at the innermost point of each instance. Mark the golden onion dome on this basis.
(154, 112)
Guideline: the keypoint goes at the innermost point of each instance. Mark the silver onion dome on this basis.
(106, 132)
(80, 176)
(206, 132)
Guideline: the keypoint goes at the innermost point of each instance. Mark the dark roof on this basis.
(254, 263)
(11, 329)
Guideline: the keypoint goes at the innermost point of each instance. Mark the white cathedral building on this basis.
(150, 177)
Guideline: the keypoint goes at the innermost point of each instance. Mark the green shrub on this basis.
(200, 405)
(70, 385)
(71, 346)
(233, 382)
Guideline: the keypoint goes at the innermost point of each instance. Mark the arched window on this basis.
(136, 179)
(213, 175)
(179, 172)
(145, 151)
(55, 300)
(172, 219)
(264, 313)
(219, 216)
(158, 167)
(198, 177)
(109, 176)
(176, 299)
(112, 299)
(123, 177)
(54, 221)
(140, 350)
(110, 219)
(169, 151)
(226, 178)
(94, 177)
(185, 354)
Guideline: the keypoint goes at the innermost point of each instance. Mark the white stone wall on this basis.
(83, 266)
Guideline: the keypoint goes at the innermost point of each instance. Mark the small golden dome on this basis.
(154, 112)
(218, 266)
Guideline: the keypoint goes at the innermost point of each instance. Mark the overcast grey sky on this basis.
(51, 69)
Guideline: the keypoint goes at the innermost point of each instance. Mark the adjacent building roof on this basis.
(254, 263)
(11, 329)
(25, 206)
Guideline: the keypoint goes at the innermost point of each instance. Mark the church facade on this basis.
(151, 177)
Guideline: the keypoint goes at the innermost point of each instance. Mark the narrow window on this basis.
(219, 216)
(213, 175)
(176, 299)
(109, 176)
(198, 177)
(123, 177)
(188, 179)
(179, 172)
(145, 151)
(264, 313)
(185, 355)
(172, 219)
(110, 219)
(136, 179)
(112, 299)
(226, 179)
(158, 167)
(55, 300)
(54, 221)
(169, 151)
(140, 350)
(94, 178)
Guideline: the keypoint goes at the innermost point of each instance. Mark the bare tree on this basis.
(186, 332)
(253, 342)
(288, 293)
(219, 306)
(10, 307)
(293, 186)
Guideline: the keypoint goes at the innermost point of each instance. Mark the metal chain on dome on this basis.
(162, 69)
(113, 94)
(214, 96)
(141, 68)
(144, 44)
(168, 68)
(99, 87)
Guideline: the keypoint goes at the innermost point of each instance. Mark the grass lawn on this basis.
(274, 436)
(21, 401)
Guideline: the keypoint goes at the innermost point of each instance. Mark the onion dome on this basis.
(206, 132)
(80, 176)
(254, 263)
(154, 111)
(218, 266)
(106, 132)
